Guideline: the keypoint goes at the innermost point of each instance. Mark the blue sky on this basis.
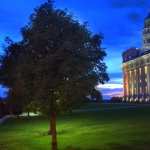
(120, 21)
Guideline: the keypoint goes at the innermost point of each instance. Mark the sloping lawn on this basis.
(120, 129)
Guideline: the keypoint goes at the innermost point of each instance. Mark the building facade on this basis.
(136, 69)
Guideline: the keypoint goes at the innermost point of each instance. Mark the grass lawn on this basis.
(120, 129)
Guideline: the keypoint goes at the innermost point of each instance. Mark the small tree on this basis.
(9, 76)
(63, 58)
(96, 95)
(17, 76)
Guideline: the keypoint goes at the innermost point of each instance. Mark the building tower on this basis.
(136, 69)
(146, 34)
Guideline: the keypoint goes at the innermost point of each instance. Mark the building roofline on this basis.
(132, 60)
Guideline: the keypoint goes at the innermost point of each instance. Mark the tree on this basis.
(96, 95)
(116, 100)
(8, 72)
(60, 61)
(17, 76)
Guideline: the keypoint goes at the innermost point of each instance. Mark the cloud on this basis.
(110, 86)
(129, 3)
(134, 17)
(115, 76)
(108, 93)
(114, 88)
(117, 80)
(114, 94)
(3, 91)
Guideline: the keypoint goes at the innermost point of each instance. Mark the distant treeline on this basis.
(7, 108)
(116, 100)
(4, 108)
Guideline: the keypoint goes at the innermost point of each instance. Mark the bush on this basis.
(116, 100)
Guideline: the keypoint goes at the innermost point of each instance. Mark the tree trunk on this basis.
(53, 130)
(50, 126)
(28, 114)
(10, 109)
(49, 131)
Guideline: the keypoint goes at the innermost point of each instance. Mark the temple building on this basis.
(136, 69)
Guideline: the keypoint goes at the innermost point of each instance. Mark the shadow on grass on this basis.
(45, 133)
(3, 147)
(142, 146)
(135, 146)
(121, 147)
(62, 132)
(77, 148)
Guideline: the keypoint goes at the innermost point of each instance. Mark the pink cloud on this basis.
(114, 94)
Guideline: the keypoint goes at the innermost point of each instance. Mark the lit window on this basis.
(135, 72)
(145, 79)
(146, 89)
(135, 90)
(145, 69)
(140, 90)
(132, 90)
(140, 71)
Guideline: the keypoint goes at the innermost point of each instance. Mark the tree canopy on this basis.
(57, 63)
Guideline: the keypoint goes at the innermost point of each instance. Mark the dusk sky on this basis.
(120, 22)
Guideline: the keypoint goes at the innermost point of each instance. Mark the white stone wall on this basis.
(137, 79)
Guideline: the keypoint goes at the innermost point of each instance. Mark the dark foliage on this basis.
(55, 66)
(96, 96)
(116, 100)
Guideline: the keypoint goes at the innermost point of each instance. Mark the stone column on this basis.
(131, 85)
(135, 84)
(127, 83)
(138, 83)
(148, 82)
(142, 78)
(124, 83)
